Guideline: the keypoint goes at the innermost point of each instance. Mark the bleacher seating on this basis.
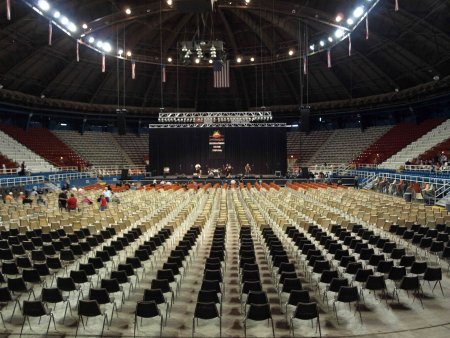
(16, 151)
(345, 144)
(135, 146)
(45, 144)
(303, 145)
(421, 145)
(437, 150)
(99, 149)
(395, 139)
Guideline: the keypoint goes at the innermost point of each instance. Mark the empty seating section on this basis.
(45, 144)
(395, 139)
(345, 144)
(198, 261)
(135, 146)
(304, 145)
(420, 146)
(99, 149)
(19, 153)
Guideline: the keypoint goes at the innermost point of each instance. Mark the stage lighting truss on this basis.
(235, 118)
(216, 125)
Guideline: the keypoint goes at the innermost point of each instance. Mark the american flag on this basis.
(221, 74)
(133, 70)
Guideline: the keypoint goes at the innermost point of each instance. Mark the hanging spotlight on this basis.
(99, 44)
(291, 52)
(311, 47)
(339, 33)
(169, 59)
(56, 15)
(358, 11)
(170, 2)
(252, 59)
(321, 43)
(210, 61)
(44, 5)
(64, 20)
(129, 53)
(330, 39)
(85, 26)
(339, 18)
(72, 27)
(197, 60)
(106, 47)
(91, 39)
(128, 11)
(120, 52)
(239, 59)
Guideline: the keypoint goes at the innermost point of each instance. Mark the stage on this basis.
(280, 180)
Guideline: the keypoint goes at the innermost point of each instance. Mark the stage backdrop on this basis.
(182, 149)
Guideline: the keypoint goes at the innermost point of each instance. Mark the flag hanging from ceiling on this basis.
(396, 6)
(367, 27)
(8, 10)
(349, 45)
(163, 74)
(103, 63)
(305, 64)
(329, 58)
(221, 74)
(50, 33)
(133, 70)
(78, 50)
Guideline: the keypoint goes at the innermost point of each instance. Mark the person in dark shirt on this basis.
(62, 200)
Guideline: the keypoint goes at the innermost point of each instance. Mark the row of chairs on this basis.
(213, 282)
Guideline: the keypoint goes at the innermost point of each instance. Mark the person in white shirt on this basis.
(108, 194)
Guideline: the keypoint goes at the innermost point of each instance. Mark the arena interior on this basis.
(225, 168)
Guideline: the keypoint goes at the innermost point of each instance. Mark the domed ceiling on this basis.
(405, 49)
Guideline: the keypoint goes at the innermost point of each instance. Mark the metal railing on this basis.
(116, 170)
(23, 180)
(70, 176)
(8, 171)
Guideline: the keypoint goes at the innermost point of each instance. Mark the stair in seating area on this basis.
(98, 148)
(19, 153)
(395, 139)
(421, 145)
(44, 143)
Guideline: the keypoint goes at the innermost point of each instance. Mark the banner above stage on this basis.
(216, 145)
